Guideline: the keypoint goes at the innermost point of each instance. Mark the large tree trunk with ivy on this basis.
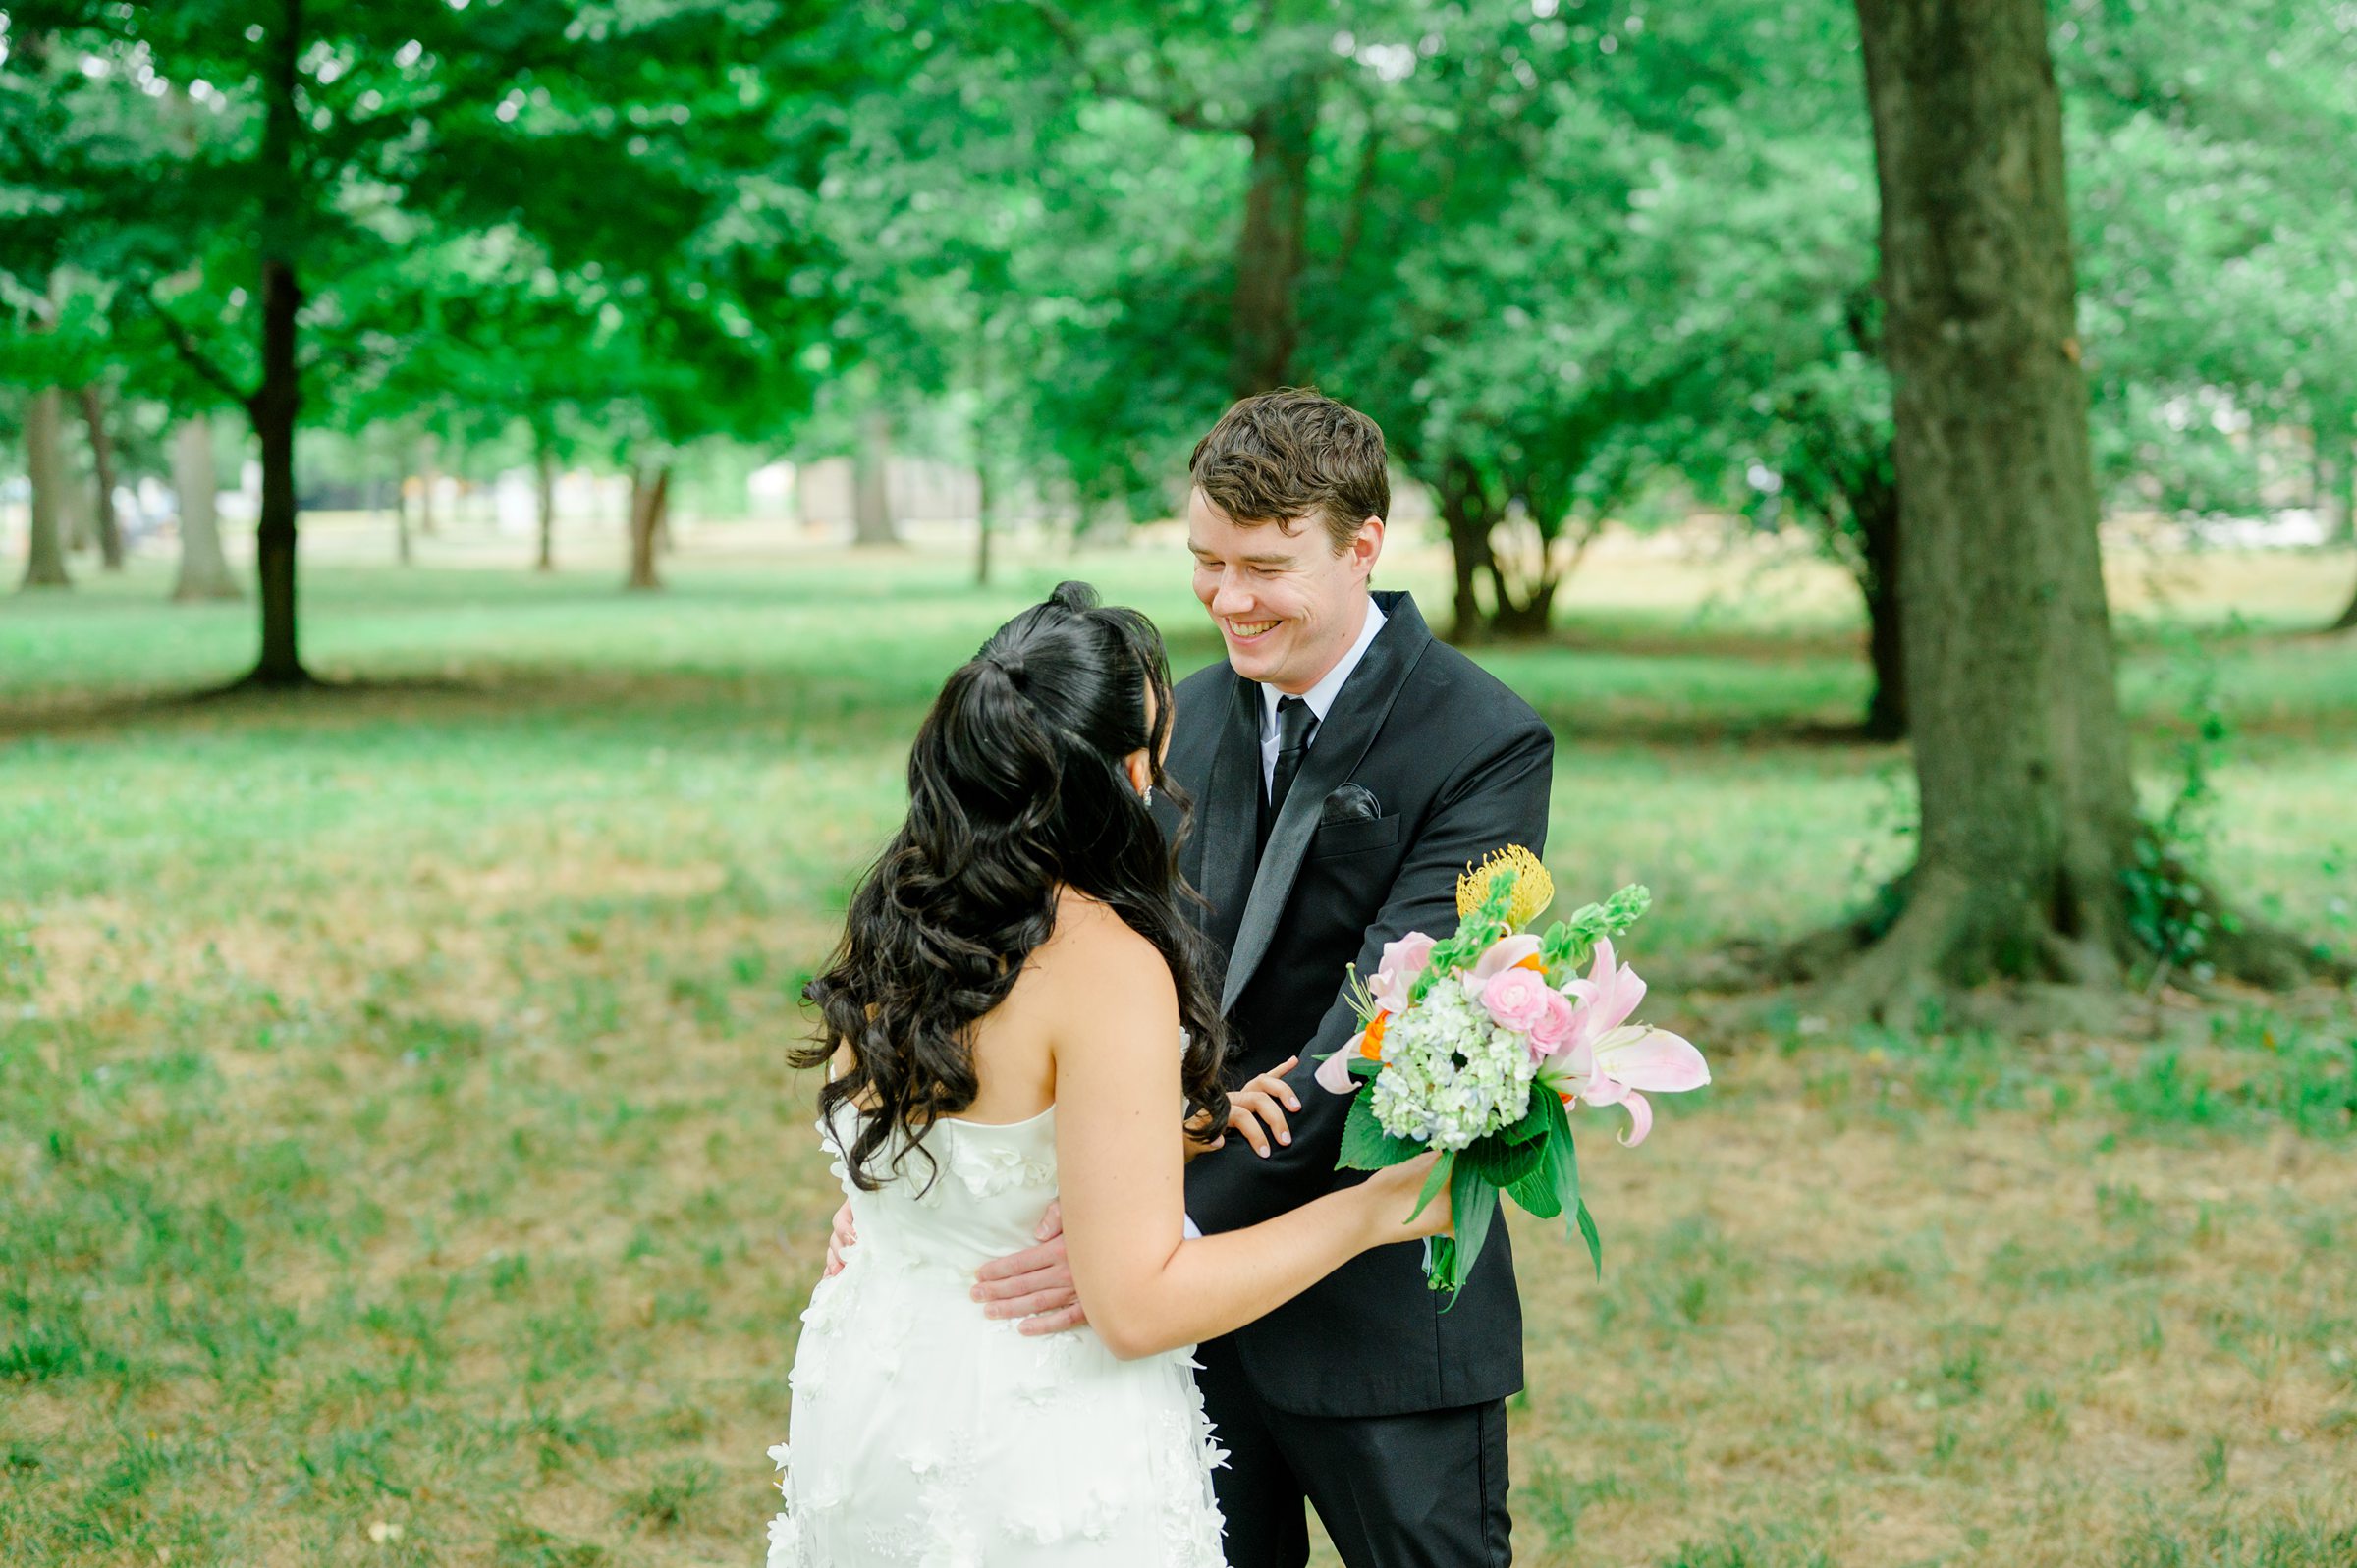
(102, 472)
(204, 573)
(1265, 320)
(45, 542)
(2022, 753)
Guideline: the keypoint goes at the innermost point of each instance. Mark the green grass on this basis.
(401, 1166)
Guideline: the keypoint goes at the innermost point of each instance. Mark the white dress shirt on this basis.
(1319, 697)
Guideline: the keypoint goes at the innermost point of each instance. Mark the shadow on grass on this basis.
(725, 710)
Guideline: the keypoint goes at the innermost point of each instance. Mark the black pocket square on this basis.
(1351, 804)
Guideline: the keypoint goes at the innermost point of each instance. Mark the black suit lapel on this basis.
(1357, 717)
(1228, 817)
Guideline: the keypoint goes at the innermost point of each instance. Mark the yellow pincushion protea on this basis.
(1534, 889)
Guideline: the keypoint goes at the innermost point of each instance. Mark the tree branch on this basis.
(185, 345)
(1187, 114)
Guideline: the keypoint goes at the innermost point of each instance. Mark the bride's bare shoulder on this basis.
(1093, 947)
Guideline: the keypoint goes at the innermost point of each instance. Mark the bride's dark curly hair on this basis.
(1015, 791)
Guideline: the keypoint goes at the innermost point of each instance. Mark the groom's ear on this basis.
(1365, 547)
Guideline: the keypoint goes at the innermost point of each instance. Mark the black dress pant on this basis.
(1425, 1489)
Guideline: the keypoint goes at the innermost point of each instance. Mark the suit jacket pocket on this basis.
(1351, 837)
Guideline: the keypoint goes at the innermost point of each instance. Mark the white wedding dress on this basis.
(926, 1434)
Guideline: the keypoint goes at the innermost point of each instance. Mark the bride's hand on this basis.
(1392, 1192)
(1257, 1109)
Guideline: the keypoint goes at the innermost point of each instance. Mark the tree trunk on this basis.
(45, 544)
(2336, 488)
(204, 573)
(545, 474)
(650, 495)
(1270, 251)
(402, 551)
(1528, 618)
(74, 496)
(1874, 504)
(430, 475)
(102, 466)
(872, 483)
(278, 401)
(983, 523)
(2021, 755)
(1466, 513)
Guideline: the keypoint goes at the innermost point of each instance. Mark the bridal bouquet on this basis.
(1479, 1047)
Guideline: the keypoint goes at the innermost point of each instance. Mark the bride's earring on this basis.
(1147, 795)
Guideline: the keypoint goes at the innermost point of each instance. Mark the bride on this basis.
(1017, 1013)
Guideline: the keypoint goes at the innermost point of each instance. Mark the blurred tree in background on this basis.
(292, 194)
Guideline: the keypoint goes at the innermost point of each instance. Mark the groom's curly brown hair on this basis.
(1282, 456)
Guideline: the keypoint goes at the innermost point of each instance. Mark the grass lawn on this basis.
(401, 1166)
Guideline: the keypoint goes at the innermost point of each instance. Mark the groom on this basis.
(1344, 768)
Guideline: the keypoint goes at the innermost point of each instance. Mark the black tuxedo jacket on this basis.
(1425, 762)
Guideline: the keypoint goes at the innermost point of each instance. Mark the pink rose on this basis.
(1557, 1029)
(1404, 962)
(1517, 998)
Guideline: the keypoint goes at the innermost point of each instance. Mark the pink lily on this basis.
(1504, 953)
(1607, 1060)
(1404, 961)
(1633, 1058)
(1610, 993)
(1333, 1074)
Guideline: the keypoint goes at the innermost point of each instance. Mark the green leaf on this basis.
(1561, 1157)
(1475, 1204)
(1366, 1146)
(1503, 1162)
(1533, 1125)
(1433, 1183)
(1535, 1192)
(1587, 1229)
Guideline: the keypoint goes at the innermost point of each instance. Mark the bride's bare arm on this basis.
(1147, 1289)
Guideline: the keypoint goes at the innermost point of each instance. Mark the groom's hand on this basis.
(841, 1238)
(1034, 1285)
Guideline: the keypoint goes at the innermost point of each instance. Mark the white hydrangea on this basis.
(1450, 1073)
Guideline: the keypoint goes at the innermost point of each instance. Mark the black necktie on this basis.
(1295, 723)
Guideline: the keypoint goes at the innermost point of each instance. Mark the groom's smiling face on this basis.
(1287, 603)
